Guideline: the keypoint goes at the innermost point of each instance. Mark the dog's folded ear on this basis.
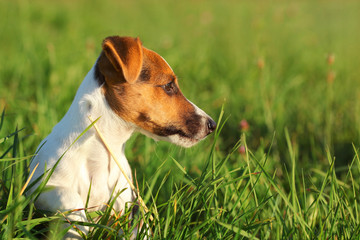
(125, 54)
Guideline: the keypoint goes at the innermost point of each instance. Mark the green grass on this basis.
(293, 174)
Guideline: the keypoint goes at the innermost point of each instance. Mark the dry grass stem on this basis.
(121, 168)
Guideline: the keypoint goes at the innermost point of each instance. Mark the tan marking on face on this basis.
(145, 102)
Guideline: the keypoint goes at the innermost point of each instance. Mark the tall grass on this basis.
(285, 163)
(246, 202)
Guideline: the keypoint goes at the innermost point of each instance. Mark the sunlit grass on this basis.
(285, 165)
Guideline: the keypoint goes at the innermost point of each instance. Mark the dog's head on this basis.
(141, 88)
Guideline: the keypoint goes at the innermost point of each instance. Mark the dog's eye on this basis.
(169, 88)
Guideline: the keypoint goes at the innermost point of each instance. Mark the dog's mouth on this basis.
(187, 137)
(178, 136)
(171, 130)
(179, 139)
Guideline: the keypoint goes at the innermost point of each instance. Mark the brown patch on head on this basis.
(125, 55)
(145, 74)
(142, 88)
(143, 117)
(100, 78)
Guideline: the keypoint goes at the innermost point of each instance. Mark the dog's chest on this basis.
(98, 172)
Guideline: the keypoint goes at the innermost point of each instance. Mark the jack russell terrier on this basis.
(130, 88)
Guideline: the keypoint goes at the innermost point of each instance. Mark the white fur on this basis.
(88, 161)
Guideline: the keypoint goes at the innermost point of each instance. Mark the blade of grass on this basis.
(305, 227)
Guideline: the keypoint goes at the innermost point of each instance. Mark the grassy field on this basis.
(284, 161)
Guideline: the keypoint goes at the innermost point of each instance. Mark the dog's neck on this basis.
(90, 101)
(87, 160)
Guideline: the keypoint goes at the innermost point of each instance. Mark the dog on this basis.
(130, 89)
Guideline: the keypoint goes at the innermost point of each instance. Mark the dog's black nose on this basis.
(211, 124)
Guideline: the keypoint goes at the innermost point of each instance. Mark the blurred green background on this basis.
(274, 64)
(286, 72)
